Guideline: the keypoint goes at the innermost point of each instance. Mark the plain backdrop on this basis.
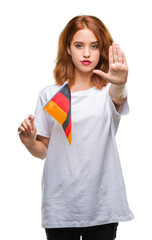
(28, 48)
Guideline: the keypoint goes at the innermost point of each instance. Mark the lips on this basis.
(86, 62)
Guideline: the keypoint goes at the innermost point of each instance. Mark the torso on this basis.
(76, 88)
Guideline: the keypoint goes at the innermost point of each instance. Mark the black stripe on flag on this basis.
(66, 123)
(66, 92)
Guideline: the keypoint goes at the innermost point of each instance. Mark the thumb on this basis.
(101, 74)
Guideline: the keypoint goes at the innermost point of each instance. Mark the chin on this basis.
(86, 69)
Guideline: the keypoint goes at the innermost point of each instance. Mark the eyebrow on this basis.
(83, 42)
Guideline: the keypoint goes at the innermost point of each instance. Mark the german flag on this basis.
(59, 107)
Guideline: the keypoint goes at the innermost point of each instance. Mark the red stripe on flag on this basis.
(62, 102)
(68, 129)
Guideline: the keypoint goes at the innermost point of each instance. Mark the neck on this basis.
(83, 80)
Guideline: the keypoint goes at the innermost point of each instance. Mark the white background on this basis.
(28, 48)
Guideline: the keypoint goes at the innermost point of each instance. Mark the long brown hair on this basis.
(64, 68)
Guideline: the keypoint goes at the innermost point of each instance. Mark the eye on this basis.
(94, 46)
(78, 45)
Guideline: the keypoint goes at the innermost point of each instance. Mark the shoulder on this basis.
(48, 91)
(104, 90)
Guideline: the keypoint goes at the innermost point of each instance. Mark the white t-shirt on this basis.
(82, 184)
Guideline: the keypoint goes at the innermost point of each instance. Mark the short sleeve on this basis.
(42, 121)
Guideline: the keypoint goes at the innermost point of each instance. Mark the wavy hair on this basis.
(64, 68)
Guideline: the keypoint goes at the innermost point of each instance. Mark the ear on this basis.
(68, 50)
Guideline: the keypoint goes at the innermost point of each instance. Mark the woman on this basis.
(83, 191)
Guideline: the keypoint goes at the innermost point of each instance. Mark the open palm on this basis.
(118, 69)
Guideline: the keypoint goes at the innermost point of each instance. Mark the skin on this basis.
(118, 69)
(37, 147)
(84, 46)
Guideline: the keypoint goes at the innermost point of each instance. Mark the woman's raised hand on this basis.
(118, 69)
(28, 130)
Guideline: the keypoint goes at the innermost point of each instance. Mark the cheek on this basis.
(97, 57)
(75, 56)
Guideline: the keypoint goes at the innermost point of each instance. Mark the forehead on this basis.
(84, 35)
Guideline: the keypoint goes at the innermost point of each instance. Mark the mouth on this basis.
(86, 62)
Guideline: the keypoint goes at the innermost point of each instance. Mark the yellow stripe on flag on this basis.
(69, 137)
(56, 112)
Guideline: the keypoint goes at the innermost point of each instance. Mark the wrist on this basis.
(119, 86)
(118, 92)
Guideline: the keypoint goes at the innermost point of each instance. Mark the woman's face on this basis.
(84, 50)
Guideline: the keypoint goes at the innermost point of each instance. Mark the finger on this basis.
(101, 74)
(123, 58)
(110, 56)
(21, 129)
(119, 54)
(31, 119)
(24, 125)
(28, 123)
(114, 51)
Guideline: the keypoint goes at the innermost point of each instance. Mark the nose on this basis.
(86, 52)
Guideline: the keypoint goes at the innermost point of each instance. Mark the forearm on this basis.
(118, 93)
(37, 149)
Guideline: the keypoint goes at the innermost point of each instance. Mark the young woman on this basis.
(83, 191)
